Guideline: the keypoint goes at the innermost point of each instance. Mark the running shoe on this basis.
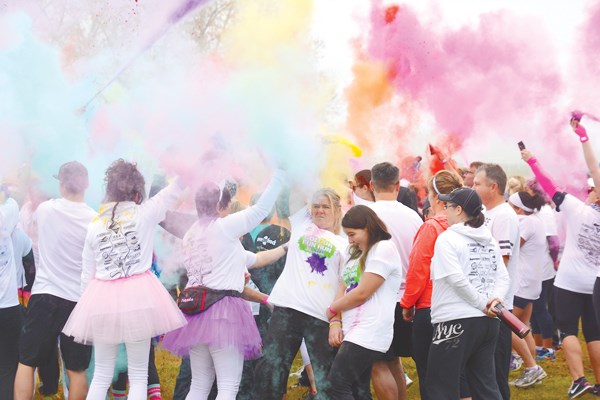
(530, 377)
(595, 390)
(579, 388)
(515, 362)
(545, 354)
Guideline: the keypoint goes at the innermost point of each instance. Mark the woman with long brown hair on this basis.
(366, 298)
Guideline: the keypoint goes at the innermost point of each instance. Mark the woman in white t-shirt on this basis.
(367, 297)
(221, 337)
(574, 281)
(122, 300)
(469, 279)
(306, 287)
(532, 257)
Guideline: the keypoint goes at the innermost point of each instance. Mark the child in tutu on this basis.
(219, 338)
(122, 301)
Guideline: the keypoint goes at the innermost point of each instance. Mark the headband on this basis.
(516, 200)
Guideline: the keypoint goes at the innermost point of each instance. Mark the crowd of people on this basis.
(353, 281)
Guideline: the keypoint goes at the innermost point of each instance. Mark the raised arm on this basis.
(545, 182)
(240, 223)
(588, 153)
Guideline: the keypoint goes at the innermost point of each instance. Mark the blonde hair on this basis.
(516, 184)
(444, 182)
(335, 202)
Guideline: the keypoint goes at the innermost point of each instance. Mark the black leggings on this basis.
(350, 374)
(541, 319)
(570, 308)
(286, 330)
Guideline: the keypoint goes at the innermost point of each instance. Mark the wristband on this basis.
(265, 300)
(334, 323)
(331, 310)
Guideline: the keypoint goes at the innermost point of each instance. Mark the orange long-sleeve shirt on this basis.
(418, 277)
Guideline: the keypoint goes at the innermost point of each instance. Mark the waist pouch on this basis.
(196, 299)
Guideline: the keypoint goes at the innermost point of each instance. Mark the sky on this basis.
(299, 83)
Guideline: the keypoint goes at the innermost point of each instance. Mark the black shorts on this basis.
(573, 308)
(45, 318)
(402, 342)
(521, 302)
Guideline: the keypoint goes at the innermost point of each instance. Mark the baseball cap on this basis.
(74, 176)
(467, 198)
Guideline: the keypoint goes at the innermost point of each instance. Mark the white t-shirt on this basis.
(472, 253)
(310, 278)
(532, 256)
(548, 217)
(21, 247)
(360, 201)
(402, 223)
(581, 257)
(503, 223)
(213, 254)
(61, 229)
(377, 313)
(122, 246)
(9, 217)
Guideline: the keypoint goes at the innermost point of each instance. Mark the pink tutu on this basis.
(123, 310)
(227, 323)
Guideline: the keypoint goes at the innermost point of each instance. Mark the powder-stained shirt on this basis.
(580, 261)
(310, 278)
(122, 246)
(213, 254)
(377, 313)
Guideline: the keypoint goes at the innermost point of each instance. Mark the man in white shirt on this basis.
(61, 226)
(490, 183)
(402, 223)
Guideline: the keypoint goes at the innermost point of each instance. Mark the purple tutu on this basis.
(227, 323)
(123, 310)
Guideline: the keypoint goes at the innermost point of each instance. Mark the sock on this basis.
(119, 394)
(154, 392)
(538, 348)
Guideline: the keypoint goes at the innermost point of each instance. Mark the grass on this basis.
(555, 386)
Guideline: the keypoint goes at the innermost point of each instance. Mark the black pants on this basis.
(350, 374)
(463, 344)
(502, 360)
(11, 320)
(286, 330)
(422, 332)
